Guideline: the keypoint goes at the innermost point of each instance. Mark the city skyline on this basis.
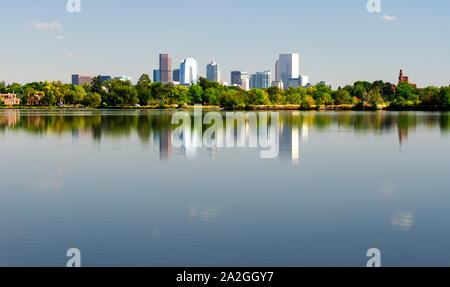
(330, 37)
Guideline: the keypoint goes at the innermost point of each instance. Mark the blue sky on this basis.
(339, 41)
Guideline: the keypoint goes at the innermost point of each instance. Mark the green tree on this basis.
(445, 98)
(96, 86)
(144, 90)
(211, 96)
(342, 97)
(179, 94)
(294, 96)
(92, 100)
(430, 97)
(121, 93)
(257, 97)
(407, 92)
(195, 93)
(74, 96)
(307, 103)
(276, 95)
(373, 98)
(388, 92)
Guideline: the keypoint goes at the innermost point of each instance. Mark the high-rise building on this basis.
(260, 80)
(278, 84)
(213, 72)
(79, 80)
(324, 83)
(235, 77)
(165, 68)
(289, 67)
(245, 84)
(293, 83)
(123, 78)
(105, 78)
(176, 75)
(304, 81)
(189, 72)
(277, 71)
(156, 77)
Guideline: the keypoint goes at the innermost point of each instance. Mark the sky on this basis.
(339, 41)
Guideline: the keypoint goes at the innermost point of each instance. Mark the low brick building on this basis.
(10, 99)
(404, 79)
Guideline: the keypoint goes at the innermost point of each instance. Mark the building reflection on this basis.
(165, 144)
(155, 130)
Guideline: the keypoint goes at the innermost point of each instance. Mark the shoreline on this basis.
(251, 108)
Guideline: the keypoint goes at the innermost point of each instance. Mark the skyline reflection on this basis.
(154, 128)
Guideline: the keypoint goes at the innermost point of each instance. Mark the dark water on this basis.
(111, 184)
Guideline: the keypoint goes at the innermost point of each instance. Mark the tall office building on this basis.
(304, 81)
(289, 67)
(105, 78)
(277, 71)
(165, 68)
(156, 77)
(235, 78)
(245, 84)
(176, 75)
(123, 78)
(79, 80)
(260, 80)
(189, 72)
(213, 72)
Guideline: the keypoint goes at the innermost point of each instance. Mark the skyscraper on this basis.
(189, 72)
(277, 71)
(235, 77)
(176, 75)
(165, 68)
(156, 77)
(105, 78)
(289, 67)
(123, 78)
(260, 80)
(213, 72)
(304, 80)
(79, 80)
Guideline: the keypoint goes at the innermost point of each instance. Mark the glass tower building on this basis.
(189, 72)
(213, 72)
(260, 80)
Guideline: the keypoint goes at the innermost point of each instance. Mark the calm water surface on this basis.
(111, 184)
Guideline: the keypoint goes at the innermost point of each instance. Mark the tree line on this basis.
(119, 93)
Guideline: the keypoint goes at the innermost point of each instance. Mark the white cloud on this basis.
(60, 37)
(388, 18)
(46, 26)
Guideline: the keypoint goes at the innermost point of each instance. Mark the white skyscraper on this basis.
(213, 72)
(189, 72)
(289, 67)
(304, 80)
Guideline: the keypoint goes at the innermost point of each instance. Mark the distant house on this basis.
(34, 99)
(10, 99)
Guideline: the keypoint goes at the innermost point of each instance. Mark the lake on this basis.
(115, 185)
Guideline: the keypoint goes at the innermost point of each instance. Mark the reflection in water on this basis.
(155, 127)
(117, 178)
(403, 221)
